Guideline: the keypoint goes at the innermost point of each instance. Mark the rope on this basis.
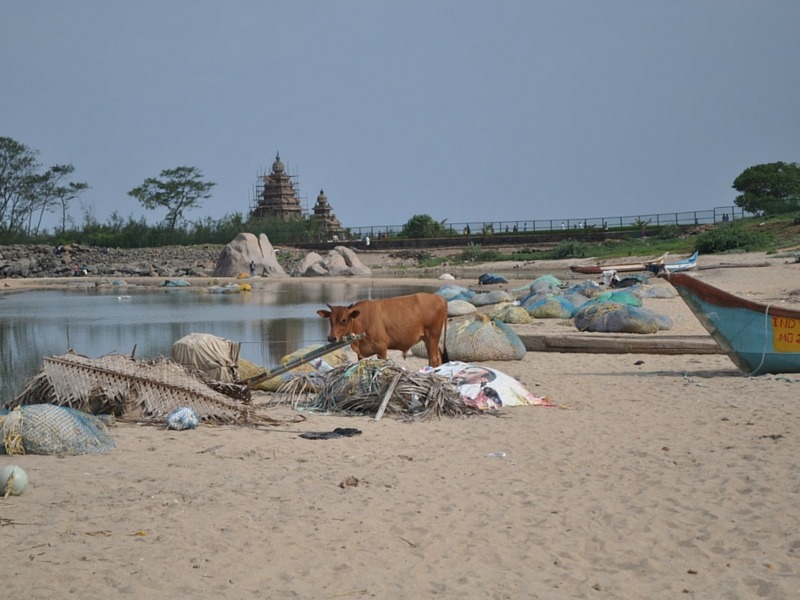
(766, 335)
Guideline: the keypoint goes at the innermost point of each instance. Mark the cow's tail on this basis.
(445, 358)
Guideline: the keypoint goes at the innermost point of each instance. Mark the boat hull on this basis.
(758, 338)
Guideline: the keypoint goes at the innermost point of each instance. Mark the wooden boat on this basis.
(650, 265)
(598, 269)
(758, 338)
(619, 268)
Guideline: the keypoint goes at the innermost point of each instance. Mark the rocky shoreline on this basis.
(44, 261)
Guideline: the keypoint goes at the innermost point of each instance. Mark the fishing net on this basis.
(611, 317)
(459, 308)
(621, 297)
(656, 291)
(50, 429)
(586, 288)
(479, 339)
(510, 313)
(576, 300)
(375, 387)
(493, 297)
(551, 307)
(455, 292)
(545, 283)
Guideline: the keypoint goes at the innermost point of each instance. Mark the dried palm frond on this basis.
(145, 391)
(372, 386)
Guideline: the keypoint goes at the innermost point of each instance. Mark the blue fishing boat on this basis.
(758, 338)
(682, 265)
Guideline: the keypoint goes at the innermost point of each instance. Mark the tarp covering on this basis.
(486, 388)
(217, 357)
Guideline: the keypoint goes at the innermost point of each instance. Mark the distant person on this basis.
(252, 268)
(366, 241)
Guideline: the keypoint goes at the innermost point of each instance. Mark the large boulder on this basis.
(235, 257)
(340, 261)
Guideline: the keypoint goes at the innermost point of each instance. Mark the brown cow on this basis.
(392, 324)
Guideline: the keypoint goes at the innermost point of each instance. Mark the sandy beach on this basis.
(655, 477)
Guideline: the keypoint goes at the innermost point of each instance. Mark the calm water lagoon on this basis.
(276, 318)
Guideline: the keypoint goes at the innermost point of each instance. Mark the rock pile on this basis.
(36, 260)
(245, 250)
(172, 262)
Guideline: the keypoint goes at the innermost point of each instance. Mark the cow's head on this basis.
(341, 319)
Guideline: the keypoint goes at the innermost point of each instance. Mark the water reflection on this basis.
(276, 318)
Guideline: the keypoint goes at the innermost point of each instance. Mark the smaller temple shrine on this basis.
(329, 225)
(277, 195)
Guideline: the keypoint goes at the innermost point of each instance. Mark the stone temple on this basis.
(277, 200)
(329, 225)
(277, 195)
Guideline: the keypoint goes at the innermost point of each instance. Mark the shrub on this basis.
(731, 236)
(474, 253)
(568, 249)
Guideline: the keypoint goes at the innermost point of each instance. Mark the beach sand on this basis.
(655, 477)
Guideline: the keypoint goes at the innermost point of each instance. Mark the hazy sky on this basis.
(463, 110)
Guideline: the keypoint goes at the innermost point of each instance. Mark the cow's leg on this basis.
(432, 347)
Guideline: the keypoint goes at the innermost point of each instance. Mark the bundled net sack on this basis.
(493, 297)
(459, 308)
(611, 317)
(217, 357)
(479, 339)
(510, 313)
(576, 300)
(50, 429)
(588, 288)
(551, 307)
(656, 291)
(545, 283)
(619, 297)
(455, 292)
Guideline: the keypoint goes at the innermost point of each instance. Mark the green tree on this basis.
(27, 193)
(179, 190)
(769, 189)
(423, 226)
(18, 169)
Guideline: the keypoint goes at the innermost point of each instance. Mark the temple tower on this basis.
(277, 195)
(328, 223)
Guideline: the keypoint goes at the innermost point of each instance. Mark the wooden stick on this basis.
(385, 401)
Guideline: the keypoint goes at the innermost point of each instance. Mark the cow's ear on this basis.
(354, 313)
(325, 314)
